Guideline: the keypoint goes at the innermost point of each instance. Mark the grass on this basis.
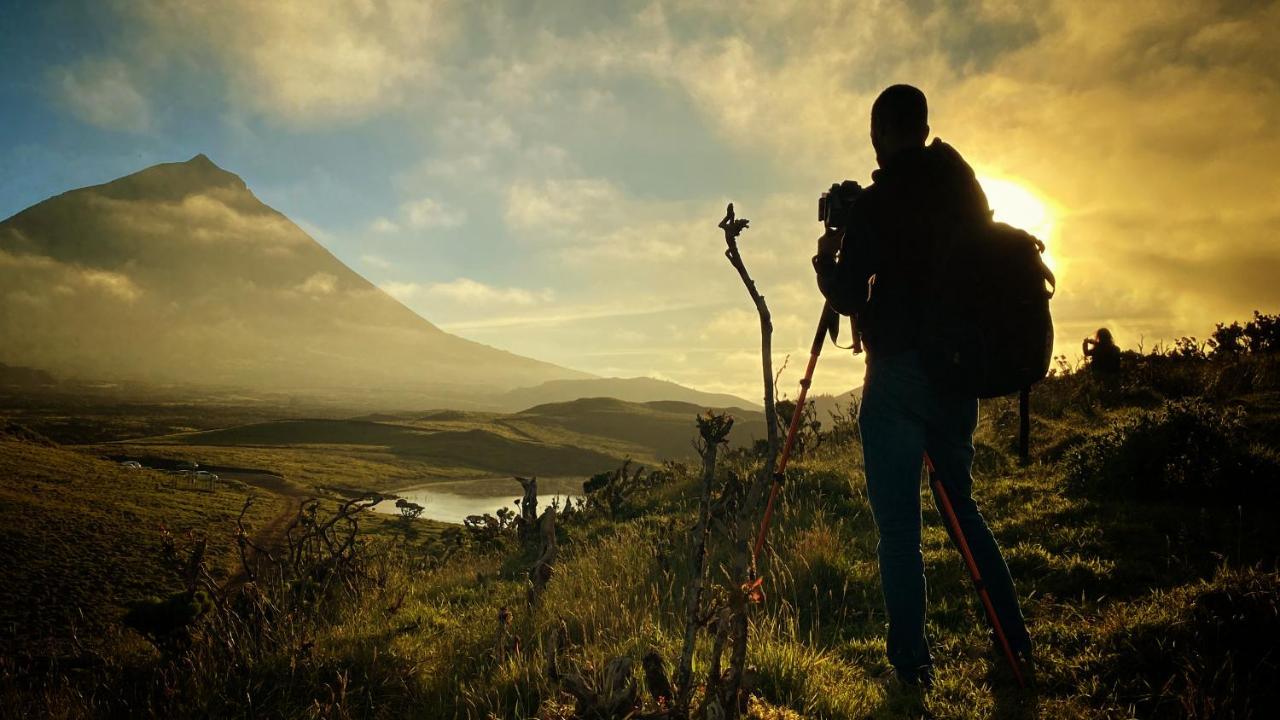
(1141, 606)
(80, 540)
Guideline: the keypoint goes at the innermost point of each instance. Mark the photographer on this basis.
(1102, 353)
(877, 266)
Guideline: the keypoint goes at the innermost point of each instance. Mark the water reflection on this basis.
(454, 500)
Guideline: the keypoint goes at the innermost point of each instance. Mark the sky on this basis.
(547, 177)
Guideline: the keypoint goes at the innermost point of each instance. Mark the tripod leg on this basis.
(957, 532)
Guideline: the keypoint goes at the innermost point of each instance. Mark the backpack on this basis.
(987, 330)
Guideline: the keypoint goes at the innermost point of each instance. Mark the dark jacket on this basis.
(921, 199)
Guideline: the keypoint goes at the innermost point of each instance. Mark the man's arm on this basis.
(841, 272)
(845, 263)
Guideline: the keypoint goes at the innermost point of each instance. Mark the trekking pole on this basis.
(954, 523)
(828, 317)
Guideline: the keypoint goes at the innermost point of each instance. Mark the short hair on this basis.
(901, 108)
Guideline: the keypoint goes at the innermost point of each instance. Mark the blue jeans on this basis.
(903, 416)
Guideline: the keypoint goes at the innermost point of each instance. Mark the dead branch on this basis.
(542, 569)
(528, 507)
(733, 227)
(713, 430)
(742, 570)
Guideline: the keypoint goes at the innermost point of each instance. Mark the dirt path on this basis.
(270, 536)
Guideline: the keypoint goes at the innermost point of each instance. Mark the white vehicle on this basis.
(131, 464)
(206, 476)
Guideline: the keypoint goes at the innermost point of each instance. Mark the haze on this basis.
(547, 180)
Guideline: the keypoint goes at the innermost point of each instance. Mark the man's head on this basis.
(899, 120)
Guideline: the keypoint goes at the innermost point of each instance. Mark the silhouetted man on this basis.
(1102, 352)
(880, 271)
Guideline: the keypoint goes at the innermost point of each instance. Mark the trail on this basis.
(270, 536)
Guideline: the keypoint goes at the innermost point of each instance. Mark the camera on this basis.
(836, 205)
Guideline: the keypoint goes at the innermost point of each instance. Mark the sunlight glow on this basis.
(1016, 204)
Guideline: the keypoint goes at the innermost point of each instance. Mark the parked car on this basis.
(131, 464)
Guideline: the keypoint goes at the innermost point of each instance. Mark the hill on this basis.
(179, 274)
(637, 389)
(81, 538)
(662, 427)
(388, 451)
(1140, 535)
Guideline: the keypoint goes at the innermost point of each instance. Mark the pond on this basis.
(454, 500)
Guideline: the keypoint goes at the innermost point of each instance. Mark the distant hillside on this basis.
(483, 448)
(179, 274)
(637, 389)
(579, 437)
(827, 405)
(24, 377)
(667, 428)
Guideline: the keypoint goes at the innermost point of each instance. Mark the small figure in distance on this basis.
(1102, 352)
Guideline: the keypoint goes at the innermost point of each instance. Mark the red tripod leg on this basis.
(828, 317)
(954, 523)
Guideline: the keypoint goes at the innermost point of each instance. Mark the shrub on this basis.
(1186, 450)
(1201, 651)
(1259, 336)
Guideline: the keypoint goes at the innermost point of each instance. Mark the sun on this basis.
(1014, 203)
(1019, 206)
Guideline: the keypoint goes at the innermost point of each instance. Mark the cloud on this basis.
(35, 278)
(213, 217)
(429, 213)
(102, 92)
(383, 225)
(467, 292)
(376, 261)
(307, 62)
(321, 283)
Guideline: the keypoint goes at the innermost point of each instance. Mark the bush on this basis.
(1184, 451)
(1205, 650)
(1259, 336)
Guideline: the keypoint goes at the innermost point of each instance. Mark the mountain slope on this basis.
(179, 274)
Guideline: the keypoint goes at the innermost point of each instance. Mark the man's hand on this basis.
(830, 242)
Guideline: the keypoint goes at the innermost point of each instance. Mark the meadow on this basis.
(1141, 536)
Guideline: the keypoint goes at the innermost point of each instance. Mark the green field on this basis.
(1141, 537)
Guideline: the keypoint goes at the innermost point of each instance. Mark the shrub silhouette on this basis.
(1186, 450)
(169, 623)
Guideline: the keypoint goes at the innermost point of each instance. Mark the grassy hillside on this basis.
(661, 426)
(81, 538)
(389, 451)
(1141, 537)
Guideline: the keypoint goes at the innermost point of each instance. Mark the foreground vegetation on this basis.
(1141, 536)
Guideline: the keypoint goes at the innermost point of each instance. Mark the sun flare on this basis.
(1019, 206)
(1014, 203)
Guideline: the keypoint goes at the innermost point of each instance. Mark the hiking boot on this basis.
(1025, 662)
(1026, 666)
(918, 677)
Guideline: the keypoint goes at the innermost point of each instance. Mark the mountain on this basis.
(826, 406)
(637, 389)
(178, 274)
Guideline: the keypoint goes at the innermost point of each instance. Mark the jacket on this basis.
(920, 199)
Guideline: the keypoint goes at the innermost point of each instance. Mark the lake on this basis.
(452, 501)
